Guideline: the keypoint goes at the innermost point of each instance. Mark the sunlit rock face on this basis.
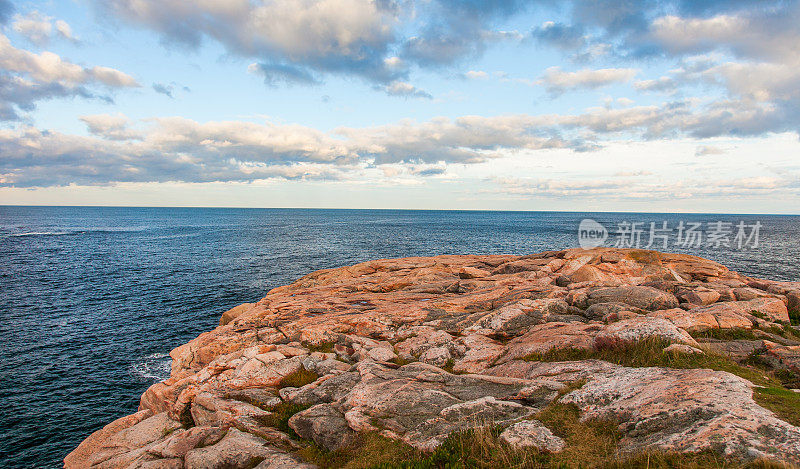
(419, 348)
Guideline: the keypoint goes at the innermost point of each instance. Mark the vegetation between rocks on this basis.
(299, 378)
(769, 392)
(591, 444)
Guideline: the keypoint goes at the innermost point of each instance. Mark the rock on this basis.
(356, 326)
(637, 296)
(234, 312)
(438, 356)
(682, 348)
(532, 434)
(515, 318)
(793, 298)
(236, 450)
(601, 310)
(324, 424)
(700, 296)
(643, 328)
(773, 308)
(480, 354)
(686, 411)
(546, 337)
(284, 461)
(181, 442)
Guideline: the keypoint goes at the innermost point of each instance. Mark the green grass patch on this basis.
(298, 379)
(280, 415)
(367, 451)
(784, 402)
(794, 318)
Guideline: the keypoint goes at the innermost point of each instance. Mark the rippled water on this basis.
(93, 299)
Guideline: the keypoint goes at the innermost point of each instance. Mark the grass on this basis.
(401, 361)
(280, 415)
(770, 392)
(324, 347)
(727, 334)
(589, 444)
(592, 444)
(786, 331)
(367, 451)
(298, 379)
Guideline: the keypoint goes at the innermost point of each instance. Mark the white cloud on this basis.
(557, 81)
(476, 75)
(27, 77)
(401, 88)
(39, 28)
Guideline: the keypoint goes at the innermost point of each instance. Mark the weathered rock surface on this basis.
(532, 434)
(419, 348)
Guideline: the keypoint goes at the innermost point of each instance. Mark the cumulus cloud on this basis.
(110, 126)
(40, 29)
(295, 37)
(27, 77)
(302, 41)
(557, 81)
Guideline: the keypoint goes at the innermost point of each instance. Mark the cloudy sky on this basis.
(668, 106)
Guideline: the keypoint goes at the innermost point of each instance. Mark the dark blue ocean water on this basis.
(92, 299)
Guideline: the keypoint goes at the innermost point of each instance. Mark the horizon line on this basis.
(394, 209)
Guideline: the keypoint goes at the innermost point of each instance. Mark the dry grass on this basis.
(298, 379)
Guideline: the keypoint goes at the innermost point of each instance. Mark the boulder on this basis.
(633, 295)
(324, 424)
(236, 450)
(532, 434)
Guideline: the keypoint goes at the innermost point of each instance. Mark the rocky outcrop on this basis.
(416, 349)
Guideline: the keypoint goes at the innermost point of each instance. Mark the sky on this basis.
(583, 105)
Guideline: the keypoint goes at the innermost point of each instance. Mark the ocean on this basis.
(93, 298)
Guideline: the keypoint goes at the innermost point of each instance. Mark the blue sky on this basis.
(662, 106)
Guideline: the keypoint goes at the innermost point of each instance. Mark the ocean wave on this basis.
(154, 367)
(104, 230)
(40, 233)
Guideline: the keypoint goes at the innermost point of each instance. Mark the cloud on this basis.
(328, 36)
(26, 77)
(557, 81)
(407, 90)
(39, 29)
(111, 126)
(275, 74)
(179, 149)
(303, 41)
(593, 189)
(6, 10)
(476, 75)
(663, 84)
(709, 150)
(559, 35)
(161, 88)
